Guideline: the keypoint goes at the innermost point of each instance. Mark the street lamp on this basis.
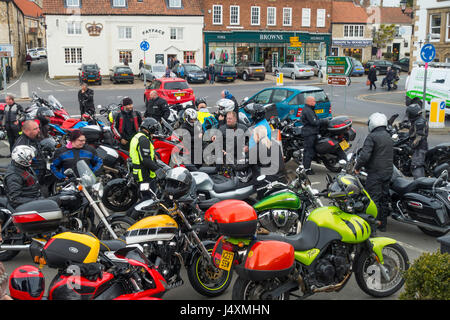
(403, 7)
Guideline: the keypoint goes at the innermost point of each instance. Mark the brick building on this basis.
(261, 30)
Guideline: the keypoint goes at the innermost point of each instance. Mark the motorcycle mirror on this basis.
(69, 172)
(261, 178)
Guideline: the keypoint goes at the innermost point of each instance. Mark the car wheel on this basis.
(245, 76)
(293, 76)
(262, 78)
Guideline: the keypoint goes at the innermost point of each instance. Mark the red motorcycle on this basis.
(87, 270)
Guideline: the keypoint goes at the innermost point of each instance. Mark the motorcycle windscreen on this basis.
(88, 178)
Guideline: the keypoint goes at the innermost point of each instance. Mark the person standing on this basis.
(11, 118)
(8, 73)
(372, 77)
(28, 60)
(126, 123)
(418, 135)
(377, 156)
(310, 130)
(211, 73)
(181, 71)
(86, 100)
(390, 76)
(156, 107)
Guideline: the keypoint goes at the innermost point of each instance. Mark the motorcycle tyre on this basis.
(240, 286)
(102, 232)
(432, 233)
(7, 255)
(131, 198)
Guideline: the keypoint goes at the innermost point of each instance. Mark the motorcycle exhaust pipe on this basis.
(422, 224)
(110, 169)
(12, 247)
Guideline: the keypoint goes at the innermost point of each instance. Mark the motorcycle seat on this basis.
(112, 245)
(403, 186)
(226, 186)
(206, 204)
(305, 240)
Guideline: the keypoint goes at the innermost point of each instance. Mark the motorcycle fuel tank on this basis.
(279, 200)
(161, 227)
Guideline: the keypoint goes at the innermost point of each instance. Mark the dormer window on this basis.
(72, 3)
(119, 3)
(174, 3)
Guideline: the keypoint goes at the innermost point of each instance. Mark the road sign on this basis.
(294, 51)
(437, 114)
(293, 39)
(428, 53)
(144, 45)
(339, 66)
(6, 50)
(279, 79)
(296, 44)
(338, 81)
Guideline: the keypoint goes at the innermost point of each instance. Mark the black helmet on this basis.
(178, 182)
(43, 112)
(151, 125)
(48, 144)
(413, 111)
(199, 100)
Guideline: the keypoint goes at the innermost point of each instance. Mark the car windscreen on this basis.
(176, 85)
(123, 70)
(192, 68)
(159, 69)
(229, 69)
(90, 67)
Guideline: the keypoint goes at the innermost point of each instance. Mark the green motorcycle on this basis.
(335, 241)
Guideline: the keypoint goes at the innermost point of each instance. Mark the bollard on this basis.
(24, 94)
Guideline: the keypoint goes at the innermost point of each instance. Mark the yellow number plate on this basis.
(90, 80)
(229, 78)
(179, 94)
(124, 74)
(258, 70)
(319, 111)
(226, 261)
(344, 144)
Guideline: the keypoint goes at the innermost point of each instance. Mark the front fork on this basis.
(376, 245)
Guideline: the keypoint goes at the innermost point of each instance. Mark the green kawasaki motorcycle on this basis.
(334, 242)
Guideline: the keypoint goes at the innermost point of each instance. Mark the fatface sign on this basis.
(153, 33)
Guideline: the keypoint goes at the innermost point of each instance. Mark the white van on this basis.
(438, 86)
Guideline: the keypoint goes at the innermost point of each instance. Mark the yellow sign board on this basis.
(279, 79)
(437, 114)
(293, 39)
(296, 44)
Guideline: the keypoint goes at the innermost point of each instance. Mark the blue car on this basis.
(289, 100)
(358, 68)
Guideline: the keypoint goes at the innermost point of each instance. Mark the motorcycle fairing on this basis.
(378, 244)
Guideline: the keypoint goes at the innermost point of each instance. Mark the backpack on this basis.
(207, 120)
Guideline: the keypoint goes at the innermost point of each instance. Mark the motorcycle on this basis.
(60, 114)
(87, 270)
(73, 209)
(437, 158)
(334, 242)
(334, 140)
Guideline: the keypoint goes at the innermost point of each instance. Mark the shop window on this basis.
(287, 16)
(271, 16)
(321, 18)
(125, 54)
(73, 55)
(217, 14)
(255, 16)
(125, 33)
(306, 17)
(234, 15)
(435, 25)
(189, 56)
(73, 27)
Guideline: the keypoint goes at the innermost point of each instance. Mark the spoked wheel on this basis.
(119, 224)
(120, 197)
(250, 290)
(378, 282)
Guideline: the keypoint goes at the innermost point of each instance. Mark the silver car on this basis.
(154, 71)
(295, 70)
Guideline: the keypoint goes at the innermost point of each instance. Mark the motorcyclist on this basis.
(205, 118)
(223, 107)
(225, 94)
(156, 107)
(11, 118)
(377, 156)
(43, 115)
(86, 100)
(126, 123)
(193, 127)
(418, 134)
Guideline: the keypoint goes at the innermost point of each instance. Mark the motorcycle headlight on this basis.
(98, 189)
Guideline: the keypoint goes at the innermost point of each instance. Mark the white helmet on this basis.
(190, 116)
(377, 120)
(225, 106)
(23, 155)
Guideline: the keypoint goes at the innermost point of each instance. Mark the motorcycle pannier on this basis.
(70, 247)
(233, 218)
(108, 155)
(40, 216)
(326, 145)
(92, 133)
(267, 259)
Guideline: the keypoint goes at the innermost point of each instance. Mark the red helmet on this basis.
(27, 283)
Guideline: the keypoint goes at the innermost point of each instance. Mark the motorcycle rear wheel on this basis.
(119, 197)
(119, 224)
(244, 289)
(432, 233)
(6, 255)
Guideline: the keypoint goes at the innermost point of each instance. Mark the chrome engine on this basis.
(283, 221)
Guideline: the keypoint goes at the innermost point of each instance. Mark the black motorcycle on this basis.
(437, 158)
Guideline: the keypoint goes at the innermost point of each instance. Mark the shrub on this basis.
(428, 278)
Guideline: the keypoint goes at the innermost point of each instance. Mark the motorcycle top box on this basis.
(40, 216)
(108, 155)
(326, 145)
(92, 133)
(339, 124)
(233, 218)
(70, 247)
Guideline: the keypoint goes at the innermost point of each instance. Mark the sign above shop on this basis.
(153, 32)
(352, 43)
(6, 50)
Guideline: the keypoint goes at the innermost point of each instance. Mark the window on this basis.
(255, 16)
(125, 54)
(217, 14)
(73, 55)
(287, 16)
(280, 95)
(352, 31)
(321, 18)
(271, 16)
(175, 3)
(435, 25)
(73, 3)
(306, 17)
(447, 38)
(73, 27)
(263, 97)
(234, 15)
(176, 33)
(125, 33)
(176, 85)
(189, 57)
(119, 3)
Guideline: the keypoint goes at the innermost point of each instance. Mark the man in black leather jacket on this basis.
(10, 118)
(311, 125)
(377, 156)
(418, 134)
(156, 107)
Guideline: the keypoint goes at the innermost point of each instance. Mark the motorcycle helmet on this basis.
(151, 125)
(413, 111)
(224, 106)
(190, 116)
(48, 145)
(27, 283)
(377, 120)
(198, 101)
(178, 182)
(44, 112)
(23, 155)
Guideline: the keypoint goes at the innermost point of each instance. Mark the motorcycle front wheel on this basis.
(369, 275)
(244, 289)
(208, 280)
(119, 197)
(119, 224)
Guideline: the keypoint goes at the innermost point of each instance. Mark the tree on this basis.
(384, 36)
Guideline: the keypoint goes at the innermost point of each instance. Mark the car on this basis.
(34, 54)
(295, 70)
(380, 65)
(153, 71)
(173, 90)
(121, 74)
(319, 67)
(192, 72)
(42, 52)
(89, 73)
(225, 72)
(403, 64)
(290, 100)
(250, 69)
(358, 68)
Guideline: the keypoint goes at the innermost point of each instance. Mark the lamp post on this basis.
(403, 8)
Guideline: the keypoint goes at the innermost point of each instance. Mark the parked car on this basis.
(154, 71)
(225, 72)
(290, 100)
(380, 65)
(358, 68)
(250, 69)
(42, 52)
(173, 90)
(403, 64)
(192, 72)
(295, 70)
(121, 74)
(34, 54)
(318, 66)
(89, 73)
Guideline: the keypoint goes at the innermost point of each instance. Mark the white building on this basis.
(108, 31)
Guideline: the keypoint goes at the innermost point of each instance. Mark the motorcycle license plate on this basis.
(344, 144)
(226, 261)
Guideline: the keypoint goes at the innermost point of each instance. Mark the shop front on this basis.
(359, 49)
(270, 48)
